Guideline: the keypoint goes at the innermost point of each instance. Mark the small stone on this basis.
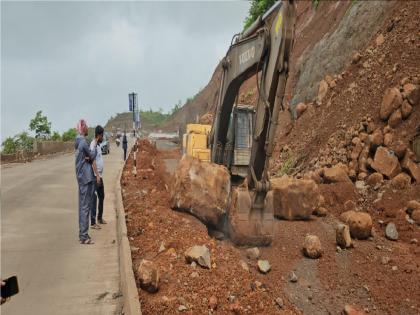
(253, 253)
(415, 216)
(199, 254)
(279, 302)
(360, 223)
(244, 265)
(395, 119)
(213, 302)
(162, 247)
(148, 275)
(414, 241)
(182, 308)
(394, 268)
(263, 266)
(320, 212)
(343, 237)
(312, 246)
(406, 110)
(293, 278)
(352, 310)
(374, 179)
(391, 101)
(380, 40)
(356, 57)
(300, 109)
(194, 274)
(391, 232)
(401, 181)
(322, 91)
(412, 93)
(385, 260)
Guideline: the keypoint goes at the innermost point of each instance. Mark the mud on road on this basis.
(378, 276)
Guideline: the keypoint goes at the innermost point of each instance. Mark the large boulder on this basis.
(336, 174)
(294, 198)
(360, 223)
(386, 163)
(148, 275)
(201, 189)
(391, 101)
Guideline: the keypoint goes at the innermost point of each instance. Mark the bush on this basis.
(9, 146)
(69, 135)
(258, 7)
(21, 141)
(56, 136)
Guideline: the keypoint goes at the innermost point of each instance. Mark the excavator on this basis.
(263, 50)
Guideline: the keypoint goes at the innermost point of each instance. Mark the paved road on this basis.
(39, 241)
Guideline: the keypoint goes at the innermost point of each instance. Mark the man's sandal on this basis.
(87, 241)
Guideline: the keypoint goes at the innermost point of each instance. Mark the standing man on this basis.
(98, 169)
(85, 180)
(125, 142)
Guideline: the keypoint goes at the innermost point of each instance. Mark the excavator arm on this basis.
(263, 50)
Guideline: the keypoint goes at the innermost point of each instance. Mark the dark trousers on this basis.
(86, 193)
(125, 154)
(100, 195)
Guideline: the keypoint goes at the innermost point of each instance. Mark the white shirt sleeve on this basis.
(92, 145)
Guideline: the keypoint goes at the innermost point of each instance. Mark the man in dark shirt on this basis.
(125, 145)
(85, 179)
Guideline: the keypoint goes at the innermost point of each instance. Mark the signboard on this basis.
(132, 101)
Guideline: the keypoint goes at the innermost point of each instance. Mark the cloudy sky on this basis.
(81, 59)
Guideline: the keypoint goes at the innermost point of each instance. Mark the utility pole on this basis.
(133, 106)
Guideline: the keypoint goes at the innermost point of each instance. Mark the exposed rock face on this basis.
(391, 101)
(342, 234)
(201, 189)
(336, 174)
(200, 255)
(312, 246)
(148, 275)
(386, 163)
(294, 198)
(360, 223)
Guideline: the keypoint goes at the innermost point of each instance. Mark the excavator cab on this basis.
(239, 141)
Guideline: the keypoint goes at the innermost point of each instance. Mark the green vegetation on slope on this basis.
(258, 7)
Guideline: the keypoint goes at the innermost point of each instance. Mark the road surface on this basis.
(39, 240)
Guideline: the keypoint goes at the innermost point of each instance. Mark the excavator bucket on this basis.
(247, 225)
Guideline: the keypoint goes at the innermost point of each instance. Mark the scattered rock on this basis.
(412, 93)
(380, 40)
(320, 212)
(253, 253)
(200, 255)
(386, 163)
(279, 302)
(391, 101)
(374, 179)
(391, 232)
(264, 266)
(148, 274)
(293, 278)
(336, 174)
(399, 148)
(294, 198)
(182, 308)
(395, 119)
(412, 205)
(162, 247)
(360, 223)
(300, 109)
(415, 215)
(356, 57)
(406, 110)
(322, 91)
(401, 181)
(312, 246)
(244, 265)
(385, 260)
(376, 138)
(352, 310)
(388, 137)
(411, 167)
(342, 234)
(213, 302)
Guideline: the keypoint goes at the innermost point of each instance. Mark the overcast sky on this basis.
(81, 59)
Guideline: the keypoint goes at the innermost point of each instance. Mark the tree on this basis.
(56, 136)
(9, 146)
(258, 7)
(69, 135)
(24, 141)
(40, 125)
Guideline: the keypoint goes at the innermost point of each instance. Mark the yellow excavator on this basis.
(242, 137)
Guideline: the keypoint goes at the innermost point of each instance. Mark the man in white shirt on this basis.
(98, 169)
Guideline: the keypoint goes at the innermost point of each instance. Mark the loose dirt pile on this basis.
(161, 235)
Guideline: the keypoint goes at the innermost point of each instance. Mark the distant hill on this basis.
(150, 121)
